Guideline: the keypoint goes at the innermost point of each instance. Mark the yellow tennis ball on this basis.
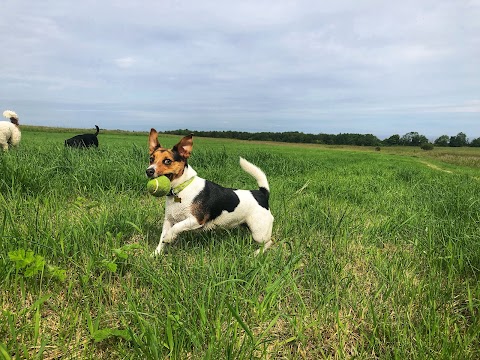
(159, 186)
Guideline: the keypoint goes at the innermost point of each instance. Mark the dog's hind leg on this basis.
(261, 228)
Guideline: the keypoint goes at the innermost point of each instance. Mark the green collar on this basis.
(174, 191)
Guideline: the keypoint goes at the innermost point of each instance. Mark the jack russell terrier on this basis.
(195, 203)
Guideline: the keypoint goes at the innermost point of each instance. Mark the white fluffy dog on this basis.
(9, 131)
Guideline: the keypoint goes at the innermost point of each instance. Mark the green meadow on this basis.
(376, 255)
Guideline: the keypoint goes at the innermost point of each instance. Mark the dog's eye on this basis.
(167, 161)
(152, 159)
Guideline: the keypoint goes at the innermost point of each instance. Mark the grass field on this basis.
(376, 255)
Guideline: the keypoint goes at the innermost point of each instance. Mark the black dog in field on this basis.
(83, 140)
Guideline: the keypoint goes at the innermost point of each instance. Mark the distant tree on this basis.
(370, 140)
(442, 140)
(475, 142)
(459, 140)
(392, 140)
(326, 139)
(413, 139)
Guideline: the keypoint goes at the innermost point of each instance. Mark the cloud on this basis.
(292, 65)
(125, 62)
(472, 106)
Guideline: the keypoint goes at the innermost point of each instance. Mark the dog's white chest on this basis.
(176, 211)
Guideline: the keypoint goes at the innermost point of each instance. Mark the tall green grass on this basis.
(376, 256)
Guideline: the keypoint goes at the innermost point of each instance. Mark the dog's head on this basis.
(168, 162)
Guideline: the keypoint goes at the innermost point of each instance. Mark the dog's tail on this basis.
(258, 174)
(12, 115)
(97, 130)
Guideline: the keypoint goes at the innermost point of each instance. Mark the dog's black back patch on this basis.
(212, 201)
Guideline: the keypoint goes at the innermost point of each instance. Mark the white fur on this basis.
(178, 217)
(256, 172)
(9, 114)
(9, 134)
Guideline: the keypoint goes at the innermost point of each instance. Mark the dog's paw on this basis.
(168, 239)
(263, 247)
(157, 252)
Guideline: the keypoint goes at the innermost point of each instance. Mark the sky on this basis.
(314, 66)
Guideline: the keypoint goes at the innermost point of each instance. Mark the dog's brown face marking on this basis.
(169, 162)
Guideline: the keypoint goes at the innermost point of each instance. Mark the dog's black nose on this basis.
(150, 172)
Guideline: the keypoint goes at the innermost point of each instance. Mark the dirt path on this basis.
(435, 167)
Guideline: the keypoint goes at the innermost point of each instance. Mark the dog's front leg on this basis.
(166, 227)
(189, 223)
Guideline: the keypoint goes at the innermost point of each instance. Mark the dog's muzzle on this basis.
(150, 172)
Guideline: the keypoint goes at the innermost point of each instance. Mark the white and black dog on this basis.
(83, 140)
(195, 203)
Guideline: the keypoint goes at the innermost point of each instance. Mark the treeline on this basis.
(415, 139)
(409, 139)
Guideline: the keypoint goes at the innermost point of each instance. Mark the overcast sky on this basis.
(358, 66)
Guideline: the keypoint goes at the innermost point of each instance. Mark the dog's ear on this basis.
(185, 146)
(153, 140)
